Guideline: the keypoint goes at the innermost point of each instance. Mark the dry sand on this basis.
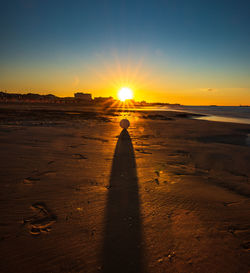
(77, 195)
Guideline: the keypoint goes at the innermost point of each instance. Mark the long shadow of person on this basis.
(122, 250)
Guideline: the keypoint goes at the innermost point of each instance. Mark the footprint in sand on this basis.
(42, 221)
(46, 173)
(156, 180)
(157, 177)
(35, 177)
(51, 162)
(142, 151)
(30, 180)
(229, 204)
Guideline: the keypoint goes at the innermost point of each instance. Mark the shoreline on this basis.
(58, 115)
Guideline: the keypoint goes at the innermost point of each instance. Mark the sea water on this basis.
(235, 114)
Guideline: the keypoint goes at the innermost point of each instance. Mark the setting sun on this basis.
(125, 93)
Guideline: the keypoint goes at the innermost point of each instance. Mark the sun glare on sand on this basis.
(125, 93)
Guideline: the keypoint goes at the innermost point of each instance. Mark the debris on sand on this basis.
(79, 156)
(167, 257)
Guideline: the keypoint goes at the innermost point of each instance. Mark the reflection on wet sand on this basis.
(122, 243)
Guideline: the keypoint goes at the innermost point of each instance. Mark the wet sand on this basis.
(79, 195)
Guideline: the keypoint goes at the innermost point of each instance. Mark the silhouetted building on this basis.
(83, 96)
(103, 99)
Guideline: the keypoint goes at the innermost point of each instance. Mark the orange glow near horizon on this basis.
(105, 76)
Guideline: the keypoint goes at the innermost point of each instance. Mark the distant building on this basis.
(103, 99)
(83, 96)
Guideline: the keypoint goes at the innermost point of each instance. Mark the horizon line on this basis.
(149, 102)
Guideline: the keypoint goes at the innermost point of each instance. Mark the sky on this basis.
(191, 52)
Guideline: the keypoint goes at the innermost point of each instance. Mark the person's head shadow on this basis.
(122, 251)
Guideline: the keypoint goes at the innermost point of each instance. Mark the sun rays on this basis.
(116, 70)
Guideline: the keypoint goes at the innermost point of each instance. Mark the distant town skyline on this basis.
(189, 52)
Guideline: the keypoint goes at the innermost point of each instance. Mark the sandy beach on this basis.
(78, 194)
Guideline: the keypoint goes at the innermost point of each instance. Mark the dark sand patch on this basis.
(235, 139)
(142, 151)
(46, 117)
(156, 117)
(188, 115)
(95, 138)
(77, 145)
